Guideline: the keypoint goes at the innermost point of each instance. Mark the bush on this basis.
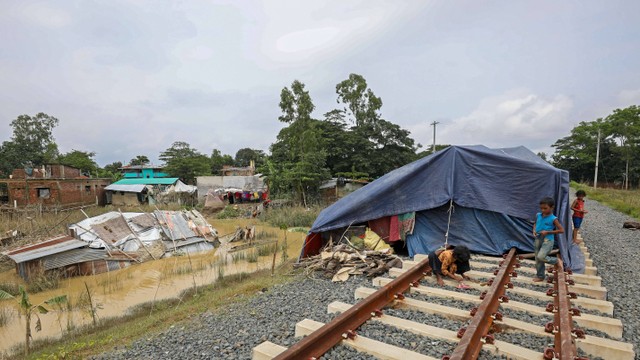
(229, 212)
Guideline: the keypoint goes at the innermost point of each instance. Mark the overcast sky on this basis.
(130, 77)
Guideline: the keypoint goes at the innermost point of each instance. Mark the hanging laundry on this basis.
(407, 223)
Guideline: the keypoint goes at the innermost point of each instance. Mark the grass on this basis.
(252, 256)
(264, 250)
(86, 341)
(6, 314)
(47, 280)
(291, 216)
(229, 212)
(625, 201)
(238, 256)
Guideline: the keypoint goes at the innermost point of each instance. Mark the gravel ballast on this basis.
(616, 253)
(233, 332)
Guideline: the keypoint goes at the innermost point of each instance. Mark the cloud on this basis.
(43, 15)
(515, 118)
(629, 97)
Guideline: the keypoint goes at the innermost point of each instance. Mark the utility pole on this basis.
(434, 135)
(595, 177)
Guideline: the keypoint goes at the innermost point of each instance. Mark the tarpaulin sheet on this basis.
(482, 231)
(507, 181)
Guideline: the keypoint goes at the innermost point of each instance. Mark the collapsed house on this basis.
(136, 191)
(67, 255)
(483, 198)
(116, 240)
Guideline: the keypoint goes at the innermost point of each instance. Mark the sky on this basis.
(129, 78)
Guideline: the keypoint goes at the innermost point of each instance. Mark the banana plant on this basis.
(29, 309)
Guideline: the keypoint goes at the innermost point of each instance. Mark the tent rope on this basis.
(450, 211)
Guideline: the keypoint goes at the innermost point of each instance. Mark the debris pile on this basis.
(633, 225)
(342, 261)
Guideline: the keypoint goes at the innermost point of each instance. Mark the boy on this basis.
(578, 213)
(544, 228)
(446, 262)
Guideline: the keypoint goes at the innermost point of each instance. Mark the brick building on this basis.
(52, 186)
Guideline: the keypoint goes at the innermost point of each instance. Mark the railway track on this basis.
(569, 313)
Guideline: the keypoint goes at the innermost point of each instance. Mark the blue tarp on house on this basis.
(495, 194)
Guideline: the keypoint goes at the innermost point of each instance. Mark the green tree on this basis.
(139, 160)
(218, 160)
(111, 171)
(625, 128)
(576, 152)
(371, 136)
(298, 154)
(184, 162)
(82, 160)
(245, 155)
(28, 310)
(32, 143)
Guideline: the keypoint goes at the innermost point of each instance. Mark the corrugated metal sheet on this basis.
(175, 225)
(40, 252)
(135, 188)
(72, 257)
(147, 181)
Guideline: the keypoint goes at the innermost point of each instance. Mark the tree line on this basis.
(619, 161)
(352, 140)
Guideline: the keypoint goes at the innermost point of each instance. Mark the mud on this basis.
(118, 291)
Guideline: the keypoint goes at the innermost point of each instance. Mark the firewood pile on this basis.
(342, 261)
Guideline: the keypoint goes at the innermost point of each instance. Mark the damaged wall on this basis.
(58, 192)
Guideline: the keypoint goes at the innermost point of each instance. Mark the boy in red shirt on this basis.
(578, 213)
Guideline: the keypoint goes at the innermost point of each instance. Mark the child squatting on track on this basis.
(578, 213)
(544, 228)
(449, 261)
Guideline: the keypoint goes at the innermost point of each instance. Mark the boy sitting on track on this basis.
(578, 213)
(449, 261)
(544, 228)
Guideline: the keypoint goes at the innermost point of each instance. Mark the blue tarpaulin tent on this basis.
(487, 197)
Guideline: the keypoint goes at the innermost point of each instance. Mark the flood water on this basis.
(118, 291)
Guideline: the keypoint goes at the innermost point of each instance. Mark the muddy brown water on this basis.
(118, 291)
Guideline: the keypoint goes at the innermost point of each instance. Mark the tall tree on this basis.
(218, 161)
(32, 143)
(245, 155)
(372, 137)
(300, 157)
(139, 160)
(184, 162)
(82, 160)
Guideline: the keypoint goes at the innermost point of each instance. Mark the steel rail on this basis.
(343, 326)
(477, 333)
(562, 326)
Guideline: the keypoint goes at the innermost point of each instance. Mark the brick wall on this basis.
(57, 192)
(50, 172)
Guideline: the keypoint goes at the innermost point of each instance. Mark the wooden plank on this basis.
(267, 351)
(597, 292)
(578, 278)
(605, 307)
(511, 351)
(609, 325)
(595, 346)
(363, 344)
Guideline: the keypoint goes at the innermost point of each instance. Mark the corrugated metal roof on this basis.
(43, 249)
(72, 257)
(136, 188)
(146, 181)
(175, 225)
